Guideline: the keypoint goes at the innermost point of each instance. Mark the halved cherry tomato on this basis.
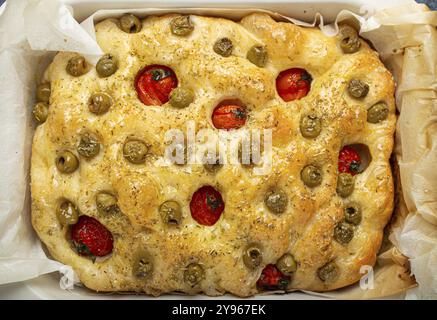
(293, 84)
(272, 279)
(349, 161)
(206, 205)
(91, 238)
(154, 84)
(229, 116)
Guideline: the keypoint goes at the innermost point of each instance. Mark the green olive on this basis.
(311, 175)
(343, 233)
(345, 184)
(212, 163)
(310, 126)
(171, 212)
(257, 55)
(223, 47)
(349, 40)
(66, 162)
(41, 112)
(181, 26)
(43, 92)
(142, 266)
(107, 203)
(328, 273)
(179, 154)
(352, 213)
(357, 88)
(89, 146)
(181, 97)
(213, 167)
(276, 201)
(377, 113)
(252, 156)
(107, 65)
(135, 151)
(77, 66)
(130, 23)
(194, 274)
(67, 213)
(287, 265)
(245, 159)
(252, 256)
(100, 102)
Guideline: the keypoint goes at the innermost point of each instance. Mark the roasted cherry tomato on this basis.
(206, 205)
(349, 161)
(229, 116)
(154, 84)
(91, 238)
(293, 84)
(272, 279)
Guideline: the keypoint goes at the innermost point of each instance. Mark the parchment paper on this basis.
(406, 38)
(411, 54)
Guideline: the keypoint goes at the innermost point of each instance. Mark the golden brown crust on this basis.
(305, 229)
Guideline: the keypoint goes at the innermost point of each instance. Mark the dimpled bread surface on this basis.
(304, 230)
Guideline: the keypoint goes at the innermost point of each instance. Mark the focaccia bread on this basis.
(102, 203)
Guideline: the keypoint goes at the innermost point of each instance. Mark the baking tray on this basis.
(299, 9)
(47, 286)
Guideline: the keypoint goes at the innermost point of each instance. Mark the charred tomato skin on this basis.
(272, 279)
(349, 161)
(206, 206)
(229, 116)
(293, 84)
(91, 238)
(154, 84)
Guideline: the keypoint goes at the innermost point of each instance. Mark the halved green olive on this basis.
(41, 112)
(286, 264)
(135, 151)
(171, 212)
(357, 88)
(89, 145)
(43, 92)
(100, 102)
(257, 55)
(67, 213)
(252, 256)
(343, 233)
(349, 40)
(377, 113)
(223, 47)
(212, 163)
(181, 26)
(213, 167)
(66, 162)
(194, 274)
(311, 175)
(179, 154)
(345, 184)
(107, 203)
(181, 97)
(107, 65)
(328, 273)
(310, 126)
(142, 266)
(77, 66)
(252, 154)
(130, 23)
(352, 213)
(276, 201)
